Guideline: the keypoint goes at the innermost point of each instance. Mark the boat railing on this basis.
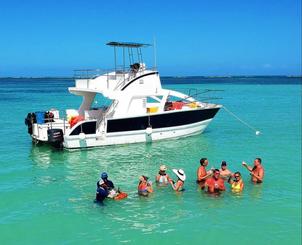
(203, 95)
(123, 76)
(106, 113)
(93, 73)
(88, 73)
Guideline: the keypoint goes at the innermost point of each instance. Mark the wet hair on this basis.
(223, 163)
(202, 160)
(237, 173)
(259, 159)
(145, 177)
(216, 170)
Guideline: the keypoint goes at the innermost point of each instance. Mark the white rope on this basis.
(245, 123)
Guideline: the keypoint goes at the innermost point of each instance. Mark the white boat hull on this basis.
(129, 137)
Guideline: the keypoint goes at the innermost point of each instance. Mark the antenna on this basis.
(154, 51)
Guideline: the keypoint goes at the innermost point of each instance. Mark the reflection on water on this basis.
(256, 191)
(133, 159)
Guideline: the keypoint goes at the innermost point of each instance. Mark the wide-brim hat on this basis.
(180, 174)
(163, 168)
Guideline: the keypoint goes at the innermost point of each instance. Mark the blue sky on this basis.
(52, 38)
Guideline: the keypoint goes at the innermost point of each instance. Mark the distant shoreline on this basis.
(168, 77)
(166, 80)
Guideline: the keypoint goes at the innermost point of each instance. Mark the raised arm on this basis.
(149, 187)
(230, 181)
(244, 164)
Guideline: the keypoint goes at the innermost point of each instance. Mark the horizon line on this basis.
(165, 76)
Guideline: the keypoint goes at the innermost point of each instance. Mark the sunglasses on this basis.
(237, 176)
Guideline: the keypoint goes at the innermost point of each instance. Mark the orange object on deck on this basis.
(74, 120)
(177, 105)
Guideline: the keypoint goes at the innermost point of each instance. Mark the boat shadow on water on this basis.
(43, 154)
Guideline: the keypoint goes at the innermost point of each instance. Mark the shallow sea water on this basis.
(47, 195)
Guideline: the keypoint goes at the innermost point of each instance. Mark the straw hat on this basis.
(180, 174)
(163, 168)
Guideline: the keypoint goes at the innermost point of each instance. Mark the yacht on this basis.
(136, 108)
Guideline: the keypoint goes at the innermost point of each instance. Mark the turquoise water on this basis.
(47, 195)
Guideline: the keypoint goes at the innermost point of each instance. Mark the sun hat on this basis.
(104, 175)
(180, 174)
(163, 168)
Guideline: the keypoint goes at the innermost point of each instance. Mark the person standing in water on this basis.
(162, 177)
(178, 186)
(101, 191)
(144, 186)
(237, 184)
(215, 184)
(257, 172)
(202, 173)
(109, 183)
(224, 172)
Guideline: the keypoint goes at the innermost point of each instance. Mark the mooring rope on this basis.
(257, 132)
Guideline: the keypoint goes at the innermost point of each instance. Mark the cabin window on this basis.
(86, 128)
(154, 99)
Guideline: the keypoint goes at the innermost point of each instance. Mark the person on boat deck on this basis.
(144, 186)
(178, 186)
(237, 184)
(224, 172)
(109, 183)
(215, 184)
(162, 177)
(101, 191)
(202, 173)
(257, 172)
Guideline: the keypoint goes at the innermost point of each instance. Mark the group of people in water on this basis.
(211, 181)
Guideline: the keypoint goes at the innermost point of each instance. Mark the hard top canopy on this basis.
(127, 44)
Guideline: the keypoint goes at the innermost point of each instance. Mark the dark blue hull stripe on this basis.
(160, 121)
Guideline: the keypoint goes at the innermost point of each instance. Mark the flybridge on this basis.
(127, 57)
(135, 60)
